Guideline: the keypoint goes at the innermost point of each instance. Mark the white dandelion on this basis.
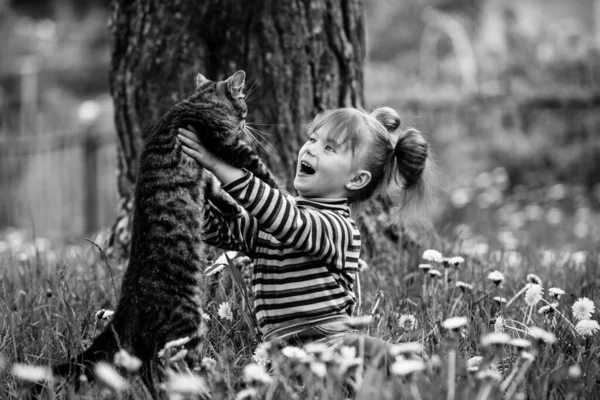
(360, 321)
(294, 353)
(464, 287)
(318, 368)
(104, 314)
(499, 324)
(425, 267)
(408, 322)
(205, 317)
(173, 344)
(496, 276)
(541, 334)
(347, 358)
(106, 374)
(186, 382)
(548, 309)
(248, 393)
(473, 363)
(556, 292)
(432, 255)
(534, 279)
(225, 311)
(261, 354)
(495, 339)
(456, 261)
(534, 294)
(405, 349)
(256, 373)
(127, 361)
(405, 367)
(454, 323)
(499, 299)
(434, 273)
(583, 308)
(31, 373)
(587, 327)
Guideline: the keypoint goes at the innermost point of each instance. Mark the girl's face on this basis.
(324, 168)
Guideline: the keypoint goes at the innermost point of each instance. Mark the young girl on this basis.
(306, 250)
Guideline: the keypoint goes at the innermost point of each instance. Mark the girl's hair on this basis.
(391, 155)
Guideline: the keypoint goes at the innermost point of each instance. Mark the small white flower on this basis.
(225, 311)
(31, 373)
(520, 343)
(587, 327)
(495, 339)
(403, 367)
(425, 267)
(127, 361)
(432, 255)
(548, 309)
(499, 300)
(261, 354)
(294, 353)
(186, 382)
(496, 276)
(533, 278)
(208, 362)
(454, 323)
(104, 314)
(499, 324)
(555, 292)
(464, 286)
(534, 294)
(361, 321)
(362, 265)
(408, 322)
(405, 349)
(456, 261)
(256, 373)
(205, 317)
(541, 334)
(347, 358)
(106, 374)
(473, 363)
(583, 308)
(434, 273)
(318, 368)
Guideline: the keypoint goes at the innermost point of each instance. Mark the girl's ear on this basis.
(236, 83)
(359, 181)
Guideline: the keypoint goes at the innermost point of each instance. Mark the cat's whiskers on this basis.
(251, 89)
(267, 148)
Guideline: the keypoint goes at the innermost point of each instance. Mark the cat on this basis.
(160, 297)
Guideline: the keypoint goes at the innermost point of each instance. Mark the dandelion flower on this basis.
(125, 360)
(583, 308)
(405, 367)
(173, 344)
(261, 354)
(548, 309)
(425, 267)
(106, 374)
(361, 321)
(496, 276)
(555, 292)
(520, 343)
(527, 356)
(489, 374)
(31, 373)
(432, 255)
(407, 348)
(347, 358)
(587, 327)
(541, 334)
(362, 265)
(534, 294)
(499, 300)
(248, 393)
(294, 353)
(205, 317)
(225, 311)
(454, 323)
(408, 322)
(473, 363)
(104, 314)
(434, 273)
(318, 368)
(186, 382)
(499, 324)
(208, 362)
(256, 373)
(456, 261)
(446, 262)
(534, 279)
(464, 287)
(495, 339)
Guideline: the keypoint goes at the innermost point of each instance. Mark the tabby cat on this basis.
(160, 298)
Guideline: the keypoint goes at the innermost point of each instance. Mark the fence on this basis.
(58, 185)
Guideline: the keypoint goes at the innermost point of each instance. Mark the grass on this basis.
(50, 294)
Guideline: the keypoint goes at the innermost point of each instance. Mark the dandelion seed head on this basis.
(534, 294)
(432, 255)
(587, 327)
(533, 278)
(408, 322)
(583, 308)
(495, 339)
(496, 276)
(556, 292)
(454, 323)
(256, 373)
(106, 374)
(541, 334)
(31, 373)
(225, 311)
(405, 367)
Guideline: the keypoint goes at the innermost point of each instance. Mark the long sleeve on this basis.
(229, 233)
(324, 233)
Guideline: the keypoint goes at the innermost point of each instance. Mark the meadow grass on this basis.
(50, 295)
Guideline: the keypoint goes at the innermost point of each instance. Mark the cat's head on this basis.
(222, 106)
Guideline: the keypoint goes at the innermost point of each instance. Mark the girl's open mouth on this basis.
(306, 168)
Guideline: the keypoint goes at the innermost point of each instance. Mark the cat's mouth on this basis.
(306, 168)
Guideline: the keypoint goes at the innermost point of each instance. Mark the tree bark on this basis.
(300, 57)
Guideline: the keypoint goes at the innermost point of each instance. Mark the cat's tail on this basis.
(103, 348)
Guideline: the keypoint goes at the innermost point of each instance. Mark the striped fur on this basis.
(160, 298)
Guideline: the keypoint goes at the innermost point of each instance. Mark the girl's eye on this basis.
(311, 139)
(329, 148)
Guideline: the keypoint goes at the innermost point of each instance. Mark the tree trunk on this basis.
(300, 57)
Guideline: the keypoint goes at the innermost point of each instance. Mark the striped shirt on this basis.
(305, 254)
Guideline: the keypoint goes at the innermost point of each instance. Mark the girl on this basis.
(306, 250)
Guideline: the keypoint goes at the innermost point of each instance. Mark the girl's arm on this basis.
(229, 233)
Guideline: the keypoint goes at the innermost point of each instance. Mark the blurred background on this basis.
(507, 92)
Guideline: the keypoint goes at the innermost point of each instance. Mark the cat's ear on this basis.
(200, 79)
(236, 83)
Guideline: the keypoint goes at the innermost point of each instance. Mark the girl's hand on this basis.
(190, 145)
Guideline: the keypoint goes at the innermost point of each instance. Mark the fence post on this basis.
(91, 145)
